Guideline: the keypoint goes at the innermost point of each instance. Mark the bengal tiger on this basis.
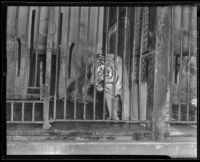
(121, 84)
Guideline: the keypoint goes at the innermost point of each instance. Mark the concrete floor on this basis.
(99, 139)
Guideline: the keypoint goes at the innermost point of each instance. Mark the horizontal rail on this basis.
(181, 122)
(193, 53)
(25, 122)
(33, 95)
(105, 121)
(34, 87)
(85, 121)
(24, 101)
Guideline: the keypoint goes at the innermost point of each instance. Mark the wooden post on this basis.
(134, 69)
(46, 124)
(161, 73)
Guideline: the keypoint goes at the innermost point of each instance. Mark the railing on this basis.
(24, 111)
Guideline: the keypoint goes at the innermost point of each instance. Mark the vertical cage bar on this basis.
(12, 107)
(77, 54)
(134, 107)
(27, 50)
(86, 62)
(22, 111)
(36, 47)
(172, 59)
(124, 57)
(189, 58)
(115, 65)
(66, 61)
(57, 57)
(96, 44)
(180, 69)
(33, 111)
(140, 65)
(169, 62)
(106, 51)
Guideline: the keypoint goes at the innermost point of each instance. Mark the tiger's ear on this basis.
(99, 55)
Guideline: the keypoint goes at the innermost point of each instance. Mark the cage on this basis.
(98, 64)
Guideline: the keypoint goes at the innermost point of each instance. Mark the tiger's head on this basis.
(97, 72)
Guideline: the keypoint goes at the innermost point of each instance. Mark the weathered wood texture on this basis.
(150, 61)
(136, 19)
(140, 20)
(161, 73)
(126, 62)
(78, 66)
(20, 25)
(48, 73)
(15, 28)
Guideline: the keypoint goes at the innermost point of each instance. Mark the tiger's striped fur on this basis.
(121, 84)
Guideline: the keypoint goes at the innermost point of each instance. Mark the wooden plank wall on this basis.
(77, 66)
(19, 26)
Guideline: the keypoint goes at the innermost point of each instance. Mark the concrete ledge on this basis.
(172, 149)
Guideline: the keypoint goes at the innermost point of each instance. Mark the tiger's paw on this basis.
(113, 118)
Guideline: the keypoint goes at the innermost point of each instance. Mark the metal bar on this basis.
(22, 111)
(181, 122)
(33, 112)
(172, 57)
(96, 44)
(106, 51)
(188, 75)
(115, 57)
(36, 46)
(134, 114)
(25, 101)
(25, 122)
(66, 61)
(140, 66)
(105, 121)
(86, 62)
(28, 51)
(180, 69)
(124, 57)
(77, 54)
(57, 57)
(12, 107)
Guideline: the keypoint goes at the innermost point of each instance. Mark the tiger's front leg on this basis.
(113, 115)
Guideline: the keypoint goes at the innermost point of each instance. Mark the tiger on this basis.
(121, 84)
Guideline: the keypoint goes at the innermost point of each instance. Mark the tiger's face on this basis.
(97, 77)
